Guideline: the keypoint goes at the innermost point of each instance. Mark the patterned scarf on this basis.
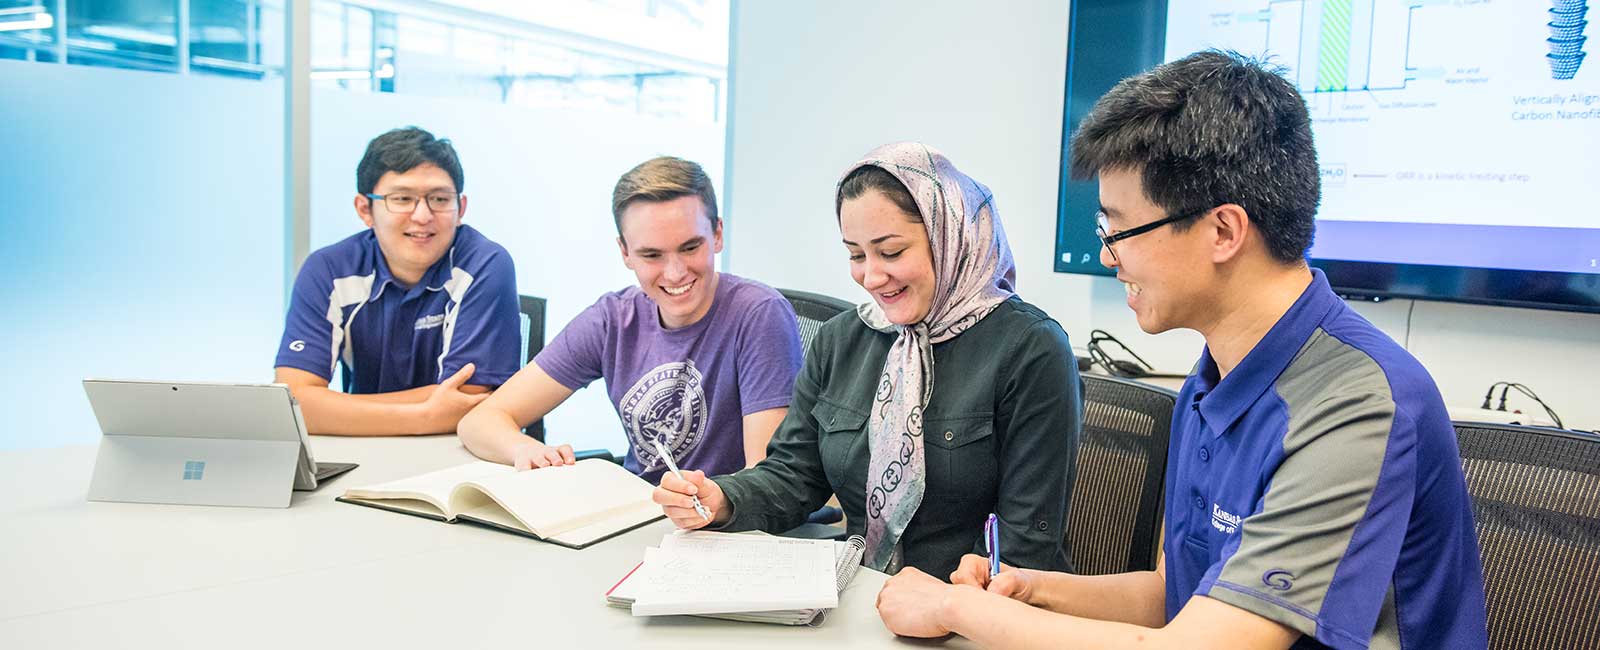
(973, 273)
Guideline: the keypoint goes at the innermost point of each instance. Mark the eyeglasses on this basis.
(405, 204)
(1102, 229)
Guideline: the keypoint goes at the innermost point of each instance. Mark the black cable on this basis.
(1490, 394)
(1409, 311)
(1137, 369)
(1548, 411)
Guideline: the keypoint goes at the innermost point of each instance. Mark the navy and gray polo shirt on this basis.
(1319, 485)
(347, 308)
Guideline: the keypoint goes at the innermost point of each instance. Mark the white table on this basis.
(322, 574)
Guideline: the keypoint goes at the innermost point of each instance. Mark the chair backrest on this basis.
(1115, 515)
(1536, 500)
(814, 309)
(531, 312)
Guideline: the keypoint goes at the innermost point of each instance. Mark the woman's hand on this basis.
(675, 497)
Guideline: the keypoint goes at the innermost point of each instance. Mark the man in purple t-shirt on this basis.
(701, 361)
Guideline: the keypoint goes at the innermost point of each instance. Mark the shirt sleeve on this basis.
(307, 342)
(574, 357)
(785, 487)
(487, 330)
(1040, 409)
(769, 356)
(1319, 552)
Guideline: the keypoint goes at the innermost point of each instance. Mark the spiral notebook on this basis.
(737, 577)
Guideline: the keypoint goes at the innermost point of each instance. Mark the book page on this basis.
(433, 487)
(554, 500)
(698, 573)
(601, 528)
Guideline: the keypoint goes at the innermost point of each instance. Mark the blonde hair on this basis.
(663, 178)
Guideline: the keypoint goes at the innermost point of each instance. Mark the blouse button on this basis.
(949, 435)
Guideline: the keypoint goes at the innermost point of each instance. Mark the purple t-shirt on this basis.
(741, 358)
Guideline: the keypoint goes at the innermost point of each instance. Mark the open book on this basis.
(740, 577)
(571, 505)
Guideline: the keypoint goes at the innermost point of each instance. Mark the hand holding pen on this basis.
(988, 573)
(689, 499)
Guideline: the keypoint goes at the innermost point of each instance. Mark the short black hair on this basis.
(1211, 128)
(873, 177)
(402, 150)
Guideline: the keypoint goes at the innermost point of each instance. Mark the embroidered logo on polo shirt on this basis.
(430, 322)
(1225, 522)
(1278, 579)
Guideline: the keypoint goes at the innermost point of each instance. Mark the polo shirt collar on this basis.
(432, 280)
(1223, 402)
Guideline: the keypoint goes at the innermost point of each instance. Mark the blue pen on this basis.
(991, 541)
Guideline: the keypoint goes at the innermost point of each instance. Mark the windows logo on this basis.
(193, 469)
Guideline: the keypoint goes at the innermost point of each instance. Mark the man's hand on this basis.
(1012, 582)
(447, 403)
(534, 454)
(909, 604)
(674, 496)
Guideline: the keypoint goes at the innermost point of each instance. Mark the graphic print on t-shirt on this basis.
(654, 409)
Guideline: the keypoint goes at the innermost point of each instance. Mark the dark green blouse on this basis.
(1001, 435)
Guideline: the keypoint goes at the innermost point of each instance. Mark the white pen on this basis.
(673, 467)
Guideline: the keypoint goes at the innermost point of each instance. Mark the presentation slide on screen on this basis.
(1449, 132)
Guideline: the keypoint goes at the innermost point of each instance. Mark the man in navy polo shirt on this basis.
(420, 310)
(1314, 495)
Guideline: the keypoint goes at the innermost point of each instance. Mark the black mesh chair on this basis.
(530, 311)
(1115, 518)
(814, 309)
(1536, 498)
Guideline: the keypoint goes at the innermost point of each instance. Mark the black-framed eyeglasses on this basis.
(1102, 229)
(405, 204)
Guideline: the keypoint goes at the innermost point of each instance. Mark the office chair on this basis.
(814, 309)
(1536, 499)
(530, 312)
(1115, 515)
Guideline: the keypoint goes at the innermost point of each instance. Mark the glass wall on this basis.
(235, 38)
(154, 236)
(660, 58)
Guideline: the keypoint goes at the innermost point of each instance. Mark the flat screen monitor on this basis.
(1459, 142)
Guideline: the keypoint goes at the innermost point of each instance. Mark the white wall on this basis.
(816, 84)
(143, 237)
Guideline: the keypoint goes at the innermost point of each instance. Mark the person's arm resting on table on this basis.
(421, 410)
(493, 430)
(1041, 609)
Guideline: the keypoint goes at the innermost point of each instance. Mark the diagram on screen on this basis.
(1566, 37)
(1430, 113)
(1333, 46)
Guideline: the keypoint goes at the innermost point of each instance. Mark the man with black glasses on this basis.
(1314, 494)
(420, 309)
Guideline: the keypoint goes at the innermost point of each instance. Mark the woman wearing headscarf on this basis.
(944, 399)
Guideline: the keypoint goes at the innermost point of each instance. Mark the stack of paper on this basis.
(752, 578)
